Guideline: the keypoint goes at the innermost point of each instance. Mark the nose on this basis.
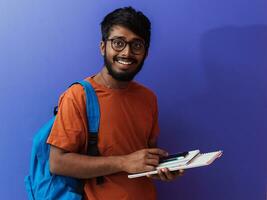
(127, 50)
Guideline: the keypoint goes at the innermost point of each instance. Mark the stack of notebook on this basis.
(184, 160)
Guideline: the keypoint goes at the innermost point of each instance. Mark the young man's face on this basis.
(124, 53)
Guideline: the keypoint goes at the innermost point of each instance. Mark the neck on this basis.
(105, 79)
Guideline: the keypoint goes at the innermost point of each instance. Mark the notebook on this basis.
(191, 160)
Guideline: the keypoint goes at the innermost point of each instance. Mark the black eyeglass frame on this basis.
(126, 43)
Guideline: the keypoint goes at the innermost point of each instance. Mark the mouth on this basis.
(125, 61)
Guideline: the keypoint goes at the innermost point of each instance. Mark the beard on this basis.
(121, 76)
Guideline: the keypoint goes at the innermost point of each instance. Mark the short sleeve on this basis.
(69, 131)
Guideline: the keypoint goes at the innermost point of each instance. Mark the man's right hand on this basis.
(143, 160)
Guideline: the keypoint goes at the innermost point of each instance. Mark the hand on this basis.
(143, 160)
(165, 175)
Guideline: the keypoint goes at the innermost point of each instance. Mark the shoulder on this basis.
(74, 95)
(74, 91)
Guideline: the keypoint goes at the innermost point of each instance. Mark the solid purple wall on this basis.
(207, 64)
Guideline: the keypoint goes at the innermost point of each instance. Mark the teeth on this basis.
(124, 62)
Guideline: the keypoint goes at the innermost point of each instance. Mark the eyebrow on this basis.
(124, 38)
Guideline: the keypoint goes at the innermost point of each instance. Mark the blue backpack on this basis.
(40, 183)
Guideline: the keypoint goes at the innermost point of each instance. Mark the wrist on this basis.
(121, 163)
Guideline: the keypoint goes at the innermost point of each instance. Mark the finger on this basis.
(158, 151)
(152, 156)
(153, 176)
(180, 172)
(149, 168)
(153, 162)
(168, 174)
(161, 175)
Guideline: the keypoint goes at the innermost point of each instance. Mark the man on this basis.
(129, 118)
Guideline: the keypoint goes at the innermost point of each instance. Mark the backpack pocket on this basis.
(56, 187)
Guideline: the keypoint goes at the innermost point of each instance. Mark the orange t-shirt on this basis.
(129, 119)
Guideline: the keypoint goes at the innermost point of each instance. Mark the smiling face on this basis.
(123, 62)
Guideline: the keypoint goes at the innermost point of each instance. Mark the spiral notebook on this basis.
(191, 160)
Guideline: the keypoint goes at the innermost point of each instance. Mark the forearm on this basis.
(83, 166)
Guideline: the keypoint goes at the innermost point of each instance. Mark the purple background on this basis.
(207, 64)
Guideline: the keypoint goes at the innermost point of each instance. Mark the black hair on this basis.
(129, 18)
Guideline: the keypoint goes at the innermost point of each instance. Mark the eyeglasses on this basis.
(137, 46)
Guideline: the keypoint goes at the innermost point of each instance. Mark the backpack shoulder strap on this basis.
(93, 120)
(92, 108)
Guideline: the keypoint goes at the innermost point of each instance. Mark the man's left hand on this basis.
(166, 175)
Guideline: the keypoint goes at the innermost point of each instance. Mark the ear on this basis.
(102, 47)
